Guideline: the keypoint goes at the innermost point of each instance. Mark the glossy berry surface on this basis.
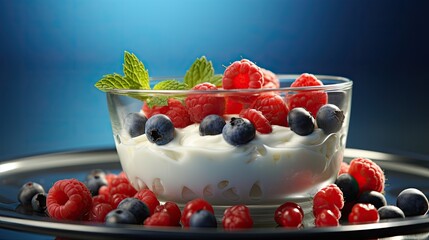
(329, 194)
(200, 106)
(27, 192)
(278, 214)
(134, 124)
(136, 207)
(173, 210)
(412, 202)
(272, 107)
(349, 186)
(120, 216)
(159, 219)
(363, 213)
(390, 211)
(310, 100)
(193, 206)
(238, 131)
(373, 197)
(211, 125)
(69, 199)
(330, 118)
(258, 120)
(326, 218)
(368, 174)
(291, 217)
(203, 219)
(237, 217)
(300, 121)
(38, 202)
(99, 212)
(159, 129)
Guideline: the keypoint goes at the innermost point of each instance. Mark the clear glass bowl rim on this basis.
(343, 84)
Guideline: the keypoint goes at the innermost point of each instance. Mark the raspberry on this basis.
(256, 117)
(270, 79)
(123, 186)
(199, 106)
(232, 106)
(326, 218)
(158, 219)
(193, 206)
(69, 199)
(272, 107)
(368, 174)
(100, 199)
(310, 100)
(317, 210)
(173, 210)
(110, 177)
(149, 198)
(363, 213)
(331, 193)
(242, 75)
(105, 191)
(237, 217)
(287, 205)
(116, 199)
(98, 212)
(329, 197)
(344, 168)
(175, 110)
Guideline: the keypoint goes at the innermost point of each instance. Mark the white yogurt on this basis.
(269, 169)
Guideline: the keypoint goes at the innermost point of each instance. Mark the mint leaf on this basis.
(200, 71)
(157, 101)
(134, 69)
(170, 85)
(115, 81)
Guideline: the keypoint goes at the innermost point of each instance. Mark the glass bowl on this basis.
(267, 171)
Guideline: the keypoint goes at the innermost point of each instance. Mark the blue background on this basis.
(52, 53)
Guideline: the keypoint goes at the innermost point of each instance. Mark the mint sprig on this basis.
(135, 76)
(200, 71)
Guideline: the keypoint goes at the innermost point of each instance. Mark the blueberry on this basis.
(373, 197)
(138, 208)
(120, 216)
(95, 183)
(300, 121)
(27, 192)
(38, 202)
(134, 124)
(330, 118)
(159, 129)
(238, 131)
(412, 202)
(202, 219)
(212, 125)
(349, 186)
(390, 211)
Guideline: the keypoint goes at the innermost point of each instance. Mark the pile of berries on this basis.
(356, 197)
(302, 111)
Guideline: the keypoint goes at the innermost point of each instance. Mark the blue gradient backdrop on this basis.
(52, 53)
